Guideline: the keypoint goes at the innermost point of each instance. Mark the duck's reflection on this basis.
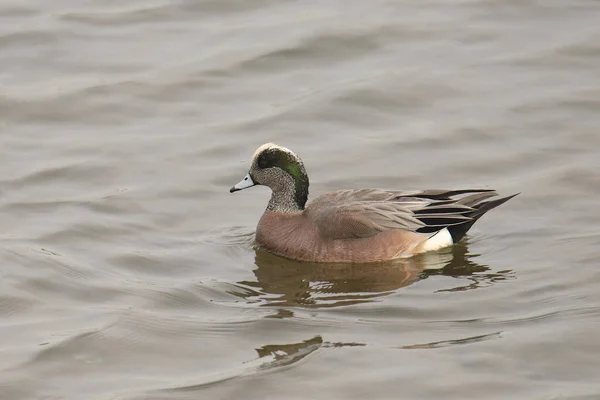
(281, 282)
(278, 355)
(463, 267)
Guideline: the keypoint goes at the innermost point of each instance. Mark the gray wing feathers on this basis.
(363, 219)
(366, 212)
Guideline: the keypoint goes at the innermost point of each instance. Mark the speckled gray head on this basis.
(281, 170)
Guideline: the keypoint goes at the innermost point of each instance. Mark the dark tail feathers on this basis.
(458, 231)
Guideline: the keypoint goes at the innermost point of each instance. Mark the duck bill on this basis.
(243, 184)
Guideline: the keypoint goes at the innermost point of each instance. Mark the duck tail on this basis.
(480, 207)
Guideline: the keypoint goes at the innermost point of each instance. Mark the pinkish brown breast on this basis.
(296, 237)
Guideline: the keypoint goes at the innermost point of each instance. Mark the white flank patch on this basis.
(438, 241)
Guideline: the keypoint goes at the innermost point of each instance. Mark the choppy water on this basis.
(127, 267)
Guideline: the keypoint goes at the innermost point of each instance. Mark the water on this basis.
(128, 270)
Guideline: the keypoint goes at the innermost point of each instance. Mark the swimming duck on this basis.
(356, 225)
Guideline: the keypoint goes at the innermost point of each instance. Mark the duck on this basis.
(356, 225)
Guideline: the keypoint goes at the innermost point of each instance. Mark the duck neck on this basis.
(289, 196)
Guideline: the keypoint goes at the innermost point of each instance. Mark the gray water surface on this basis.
(128, 269)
